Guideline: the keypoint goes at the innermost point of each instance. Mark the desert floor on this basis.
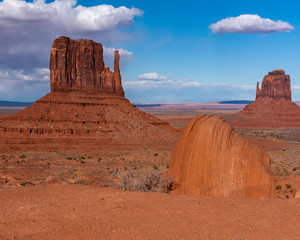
(80, 195)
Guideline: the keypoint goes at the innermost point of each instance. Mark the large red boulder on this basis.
(211, 159)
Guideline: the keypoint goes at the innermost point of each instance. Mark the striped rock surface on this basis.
(211, 159)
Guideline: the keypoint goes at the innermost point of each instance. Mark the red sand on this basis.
(87, 212)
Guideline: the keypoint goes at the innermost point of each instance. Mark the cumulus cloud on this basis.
(249, 23)
(110, 51)
(28, 29)
(109, 54)
(151, 76)
(65, 15)
(37, 74)
(24, 85)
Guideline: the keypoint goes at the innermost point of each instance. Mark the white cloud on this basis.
(250, 23)
(185, 90)
(24, 85)
(64, 14)
(109, 54)
(109, 51)
(183, 83)
(151, 76)
(29, 28)
(38, 74)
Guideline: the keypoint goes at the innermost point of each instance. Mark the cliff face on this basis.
(77, 65)
(275, 85)
(210, 159)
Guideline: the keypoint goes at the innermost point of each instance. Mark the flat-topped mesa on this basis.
(77, 65)
(275, 85)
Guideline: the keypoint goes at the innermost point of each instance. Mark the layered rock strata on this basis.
(211, 159)
(86, 108)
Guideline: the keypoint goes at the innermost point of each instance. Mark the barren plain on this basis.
(80, 195)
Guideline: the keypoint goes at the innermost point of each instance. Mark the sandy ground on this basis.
(56, 195)
(89, 212)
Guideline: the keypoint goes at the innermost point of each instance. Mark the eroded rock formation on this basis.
(272, 107)
(77, 65)
(86, 108)
(211, 159)
(275, 85)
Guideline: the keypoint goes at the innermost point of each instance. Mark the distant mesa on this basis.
(236, 102)
(211, 159)
(273, 106)
(85, 110)
(15, 104)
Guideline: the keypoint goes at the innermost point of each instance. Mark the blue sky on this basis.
(169, 52)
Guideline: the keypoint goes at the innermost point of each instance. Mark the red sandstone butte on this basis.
(211, 159)
(272, 107)
(85, 110)
(275, 85)
(77, 65)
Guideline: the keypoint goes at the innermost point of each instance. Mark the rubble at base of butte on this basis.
(86, 108)
(211, 159)
(273, 106)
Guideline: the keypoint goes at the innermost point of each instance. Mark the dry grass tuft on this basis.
(144, 181)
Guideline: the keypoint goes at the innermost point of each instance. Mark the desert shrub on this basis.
(278, 187)
(23, 184)
(288, 185)
(296, 168)
(144, 181)
(81, 180)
